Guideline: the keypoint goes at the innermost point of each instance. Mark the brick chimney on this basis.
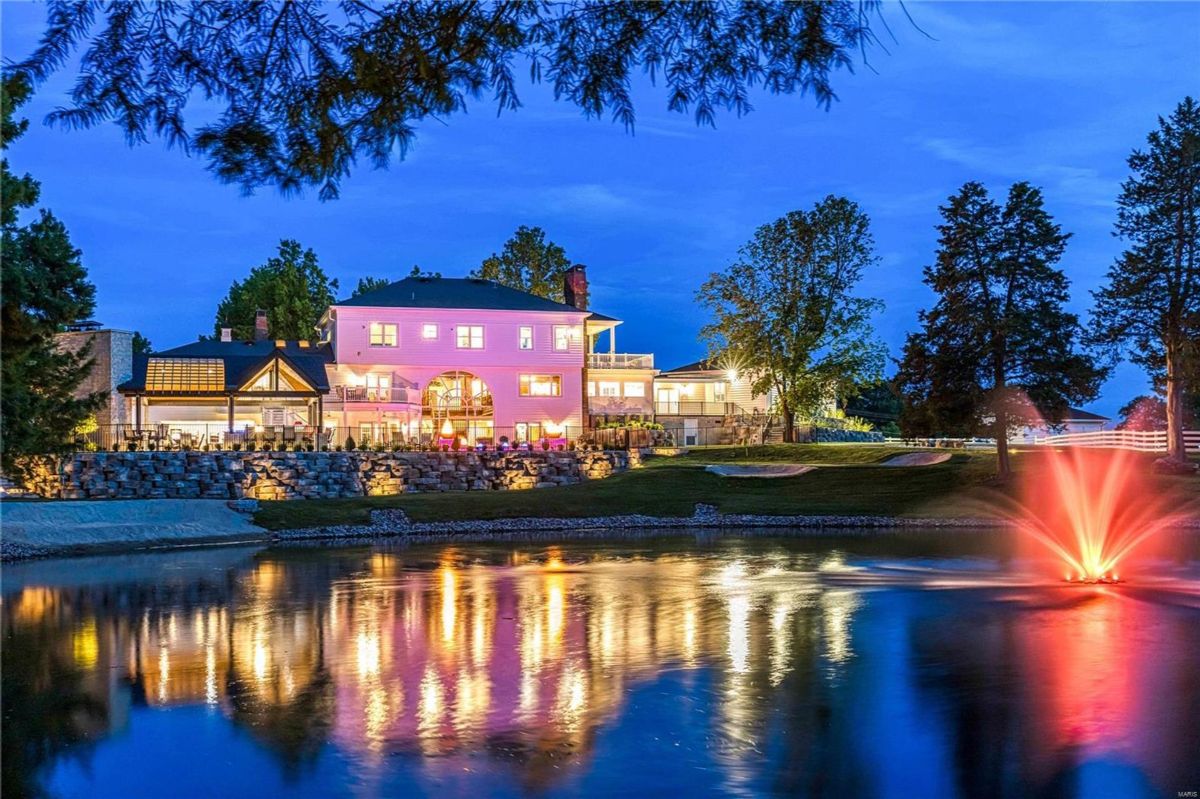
(575, 286)
(260, 325)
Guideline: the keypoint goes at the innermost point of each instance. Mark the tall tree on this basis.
(44, 288)
(291, 287)
(1150, 306)
(305, 88)
(528, 262)
(998, 347)
(786, 312)
(368, 284)
(141, 345)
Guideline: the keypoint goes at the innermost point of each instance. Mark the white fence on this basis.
(1150, 441)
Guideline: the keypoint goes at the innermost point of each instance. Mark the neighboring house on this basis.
(700, 402)
(1075, 421)
(424, 359)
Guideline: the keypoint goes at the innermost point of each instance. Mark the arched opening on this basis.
(457, 405)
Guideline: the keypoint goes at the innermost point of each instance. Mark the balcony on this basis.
(619, 360)
(695, 408)
(396, 395)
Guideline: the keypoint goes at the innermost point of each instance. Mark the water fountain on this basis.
(1093, 509)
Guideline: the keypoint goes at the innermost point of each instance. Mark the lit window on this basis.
(562, 338)
(383, 334)
(541, 385)
(719, 391)
(635, 389)
(429, 331)
(470, 337)
(525, 338)
(591, 388)
(610, 388)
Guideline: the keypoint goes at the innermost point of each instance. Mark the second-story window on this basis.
(610, 388)
(429, 331)
(562, 338)
(633, 389)
(383, 334)
(541, 385)
(525, 338)
(470, 337)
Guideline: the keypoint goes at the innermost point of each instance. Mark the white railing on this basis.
(619, 360)
(395, 394)
(1142, 441)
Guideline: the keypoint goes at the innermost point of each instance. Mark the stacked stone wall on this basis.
(311, 475)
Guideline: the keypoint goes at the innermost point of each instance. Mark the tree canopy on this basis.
(306, 88)
(45, 287)
(528, 262)
(368, 284)
(997, 349)
(785, 311)
(1149, 308)
(291, 287)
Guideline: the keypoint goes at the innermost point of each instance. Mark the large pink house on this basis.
(427, 360)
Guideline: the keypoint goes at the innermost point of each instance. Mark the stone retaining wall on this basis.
(312, 475)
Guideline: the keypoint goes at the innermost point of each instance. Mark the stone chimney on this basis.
(260, 325)
(575, 286)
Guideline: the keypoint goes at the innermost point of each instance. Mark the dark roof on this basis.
(242, 360)
(454, 292)
(703, 365)
(1077, 415)
(599, 317)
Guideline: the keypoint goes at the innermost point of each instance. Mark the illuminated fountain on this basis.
(1093, 509)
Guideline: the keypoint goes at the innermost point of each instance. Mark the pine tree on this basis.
(291, 287)
(998, 348)
(1150, 306)
(44, 287)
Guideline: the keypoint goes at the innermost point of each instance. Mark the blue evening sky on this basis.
(1054, 93)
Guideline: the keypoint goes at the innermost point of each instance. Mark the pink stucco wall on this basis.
(499, 364)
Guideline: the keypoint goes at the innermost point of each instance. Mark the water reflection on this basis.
(411, 665)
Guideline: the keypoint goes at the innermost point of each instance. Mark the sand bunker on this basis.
(765, 470)
(918, 459)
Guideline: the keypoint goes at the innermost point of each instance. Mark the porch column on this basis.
(230, 413)
(137, 412)
(612, 339)
(320, 413)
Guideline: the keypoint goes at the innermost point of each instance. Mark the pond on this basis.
(909, 665)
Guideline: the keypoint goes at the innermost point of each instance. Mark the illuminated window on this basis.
(379, 387)
(383, 334)
(562, 338)
(185, 374)
(635, 389)
(541, 385)
(470, 337)
(610, 388)
(429, 331)
(525, 339)
(719, 391)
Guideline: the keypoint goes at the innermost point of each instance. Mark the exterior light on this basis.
(732, 375)
(552, 428)
(447, 429)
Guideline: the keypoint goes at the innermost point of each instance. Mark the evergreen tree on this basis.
(998, 348)
(141, 345)
(291, 287)
(1150, 306)
(528, 262)
(304, 89)
(785, 312)
(44, 287)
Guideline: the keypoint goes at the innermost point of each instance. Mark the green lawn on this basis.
(848, 482)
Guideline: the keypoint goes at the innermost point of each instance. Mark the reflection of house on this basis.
(1074, 421)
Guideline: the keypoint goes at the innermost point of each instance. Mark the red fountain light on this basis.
(1092, 509)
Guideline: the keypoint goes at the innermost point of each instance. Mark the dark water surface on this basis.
(915, 665)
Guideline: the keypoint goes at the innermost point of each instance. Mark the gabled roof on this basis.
(454, 292)
(242, 360)
(703, 365)
(1077, 415)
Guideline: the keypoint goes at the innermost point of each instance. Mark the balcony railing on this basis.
(619, 360)
(369, 394)
(696, 408)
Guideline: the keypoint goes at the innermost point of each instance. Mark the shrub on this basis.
(350, 445)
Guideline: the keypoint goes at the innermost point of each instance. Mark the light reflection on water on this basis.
(734, 667)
